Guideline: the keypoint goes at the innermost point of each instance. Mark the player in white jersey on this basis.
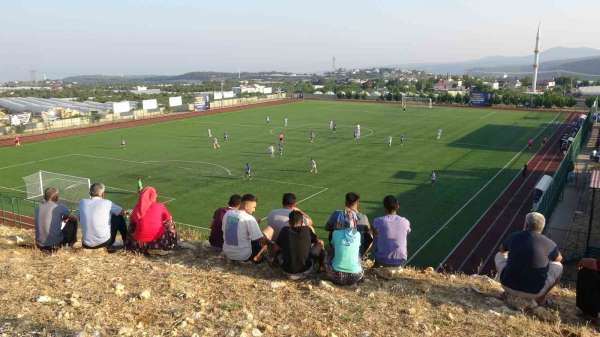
(210, 133)
(389, 141)
(285, 122)
(331, 125)
(216, 145)
(271, 151)
(433, 178)
(313, 166)
(312, 136)
(357, 132)
(439, 134)
(226, 136)
(268, 120)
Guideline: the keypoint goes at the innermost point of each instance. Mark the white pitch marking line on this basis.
(476, 194)
(288, 183)
(153, 162)
(488, 115)
(12, 189)
(168, 198)
(35, 161)
(309, 197)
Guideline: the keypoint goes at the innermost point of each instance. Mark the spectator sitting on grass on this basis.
(49, 216)
(100, 220)
(298, 247)
(362, 222)
(390, 233)
(344, 266)
(242, 238)
(528, 262)
(216, 228)
(151, 224)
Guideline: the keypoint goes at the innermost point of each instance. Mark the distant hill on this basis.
(496, 62)
(586, 68)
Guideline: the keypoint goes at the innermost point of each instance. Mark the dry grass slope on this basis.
(194, 293)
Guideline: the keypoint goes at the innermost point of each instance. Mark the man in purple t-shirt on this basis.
(391, 231)
(216, 227)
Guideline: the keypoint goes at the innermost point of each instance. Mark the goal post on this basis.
(71, 188)
(416, 101)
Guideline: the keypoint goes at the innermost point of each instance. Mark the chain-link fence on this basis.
(565, 169)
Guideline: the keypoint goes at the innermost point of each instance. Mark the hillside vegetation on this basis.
(193, 292)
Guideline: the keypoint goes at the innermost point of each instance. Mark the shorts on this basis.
(555, 270)
(342, 278)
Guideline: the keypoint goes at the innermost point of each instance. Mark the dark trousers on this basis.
(69, 233)
(117, 224)
(588, 291)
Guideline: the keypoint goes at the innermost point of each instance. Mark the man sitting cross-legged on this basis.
(297, 247)
(49, 218)
(528, 262)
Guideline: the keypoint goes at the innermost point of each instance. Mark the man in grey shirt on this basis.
(100, 220)
(49, 217)
(279, 218)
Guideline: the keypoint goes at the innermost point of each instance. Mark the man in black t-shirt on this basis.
(298, 246)
(528, 263)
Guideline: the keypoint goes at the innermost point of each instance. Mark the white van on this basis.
(540, 189)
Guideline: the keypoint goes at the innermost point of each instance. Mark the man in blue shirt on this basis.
(528, 263)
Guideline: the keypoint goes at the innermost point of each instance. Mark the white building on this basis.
(253, 89)
(145, 91)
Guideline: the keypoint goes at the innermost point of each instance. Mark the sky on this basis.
(128, 37)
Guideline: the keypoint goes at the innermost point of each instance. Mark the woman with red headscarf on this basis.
(151, 224)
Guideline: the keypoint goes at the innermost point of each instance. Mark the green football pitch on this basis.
(479, 153)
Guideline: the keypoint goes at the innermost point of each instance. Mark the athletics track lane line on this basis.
(442, 227)
(493, 215)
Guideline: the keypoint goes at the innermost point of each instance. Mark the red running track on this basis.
(475, 252)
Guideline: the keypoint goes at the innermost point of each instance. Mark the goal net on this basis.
(416, 101)
(71, 188)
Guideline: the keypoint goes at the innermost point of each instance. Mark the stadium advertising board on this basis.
(175, 101)
(149, 104)
(481, 98)
(120, 107)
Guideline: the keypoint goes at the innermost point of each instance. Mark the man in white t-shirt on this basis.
(242, 238)
(100, 219)
(280, 217)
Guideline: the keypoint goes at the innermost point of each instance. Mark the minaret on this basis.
(536, 59)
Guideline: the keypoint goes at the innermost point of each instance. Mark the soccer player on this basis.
(226, 136)
(140, 185)
(439, 134)
(281, 137)
(123, 143)
(331, 125)
(402, 139)
(271, 150)
(280, 149)
(268, 120)
(313, 166)
(334, 127)
(312, 136)
(17, 141)
(210, 133)
(216, 145)
(248, 171)
(389, 141)
(529, 143)
(285, 121)
(433, 178)
(357, 132)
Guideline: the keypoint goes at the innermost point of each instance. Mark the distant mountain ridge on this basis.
(553, 56)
